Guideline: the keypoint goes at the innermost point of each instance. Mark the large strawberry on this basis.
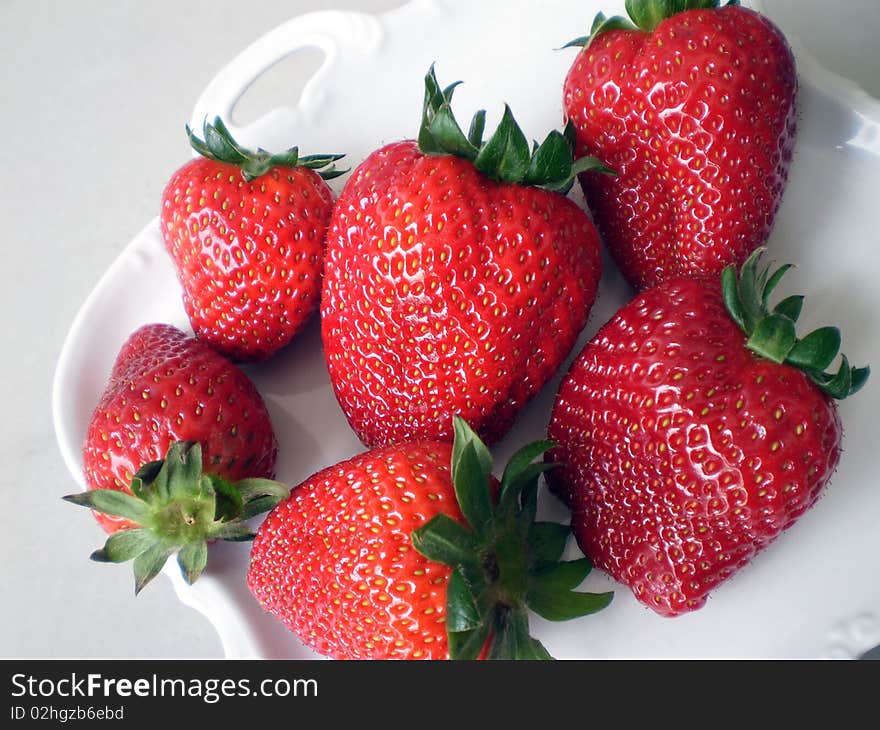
(458, 276)
(415, 551)
(172, 403)
(693, 430)
(245, 231)
(693, 105)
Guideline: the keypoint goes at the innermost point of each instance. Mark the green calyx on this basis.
(506, 156)
(772, 334)
(178, 509)
(503, 562)
(219, 145)
(644, 15)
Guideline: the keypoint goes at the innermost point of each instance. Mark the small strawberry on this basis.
(688, 446)
(693, 106)
(245, 231)
(458, 277)
(414, 552)
(171, 403)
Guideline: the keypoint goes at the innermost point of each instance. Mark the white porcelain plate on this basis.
(814, 593)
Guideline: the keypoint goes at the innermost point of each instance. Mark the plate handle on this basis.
(336, 33)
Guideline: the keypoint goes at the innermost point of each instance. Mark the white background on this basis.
(94, 97)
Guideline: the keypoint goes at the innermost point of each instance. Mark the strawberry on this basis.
(172, 403)
(695, 111)
(245, 231)
(415, 551)
(693, 430)
(458, 277)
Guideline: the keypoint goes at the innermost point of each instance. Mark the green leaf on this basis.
(478, 124)
(148, 564)
(601, 25)
(192, 559)
(158, 488)
(551, 162)
(648, 14)
(197, 144)
(773, 337)
(761, 282)
(566, 605)
(187, 509)
(512, 640)
(141, 481)
(730, 292)
(467, 645)
(312, 161)
(522, 458)
(323, 165)
(581, 41)
(839, 385)
(448, 91)
(184, 467)
(433, 93)
(590, 164)
(750, 300)
(261, 495)
(463, 435)
(112, 502)
(447, 135)
(472, 490)
(229, 503)
(529, 502)
(258, 506)
(790, 307)
(445, 541)
(506, 156)
(773, 282)
(434, 99)
(562, 576)
(462, 613)
(125, 545)
(232, 532)
(219, 145)
(844, 383)
(858, 378)
(525, 482)
(547, 542)
(817, 350)
(570, 135)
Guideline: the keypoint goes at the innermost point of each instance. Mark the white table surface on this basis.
(95, 95)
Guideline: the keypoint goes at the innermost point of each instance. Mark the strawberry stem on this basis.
(219, 145)
(178, 509)
(772, 333)
(506, 156)
(644, 15)
(503, 561)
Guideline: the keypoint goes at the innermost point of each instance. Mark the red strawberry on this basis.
(403, 553)
(454, 283)
(172, 394)
(246, 233)
(688, 446)
(695, 111)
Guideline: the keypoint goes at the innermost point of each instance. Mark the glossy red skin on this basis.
(683, 453)
(166, 386)
(698, 119)
(335, 561)
(446, 292)
(249, 255)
